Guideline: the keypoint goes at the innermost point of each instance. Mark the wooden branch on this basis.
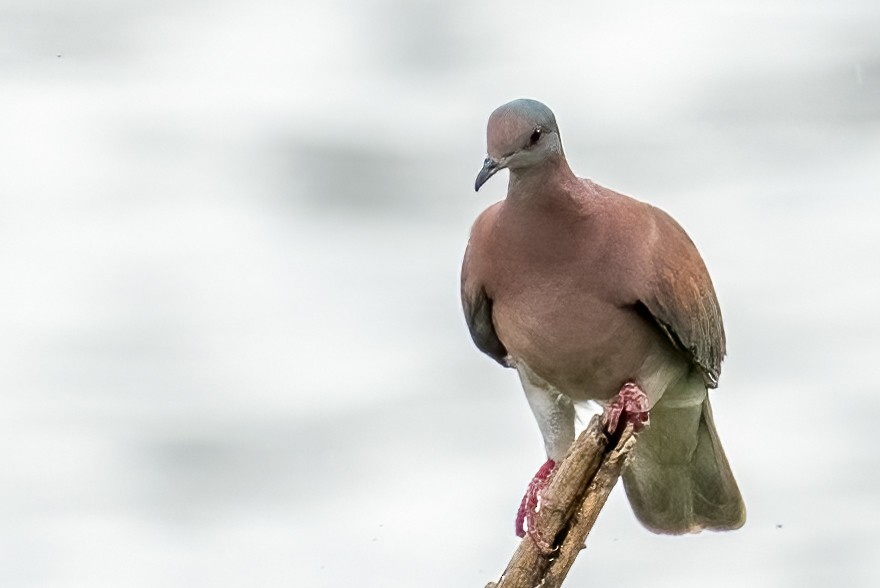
(569, 507)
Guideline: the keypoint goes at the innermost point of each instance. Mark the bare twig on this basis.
(569, 508)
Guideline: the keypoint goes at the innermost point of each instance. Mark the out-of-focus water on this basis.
(231, 352)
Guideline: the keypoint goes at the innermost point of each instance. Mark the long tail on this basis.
(678, 479)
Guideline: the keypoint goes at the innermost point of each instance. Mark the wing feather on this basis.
(682, 301)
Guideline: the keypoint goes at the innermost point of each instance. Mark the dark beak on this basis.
(490, 166)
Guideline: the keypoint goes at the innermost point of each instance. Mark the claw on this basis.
(528, 508)
(632, 403)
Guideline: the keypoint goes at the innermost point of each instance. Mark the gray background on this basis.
(231, 350)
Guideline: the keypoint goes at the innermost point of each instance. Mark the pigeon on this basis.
(591, 295)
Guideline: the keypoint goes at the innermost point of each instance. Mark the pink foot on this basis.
(528, 507)
(632, 403)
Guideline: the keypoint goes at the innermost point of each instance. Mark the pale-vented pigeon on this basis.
(588, 293)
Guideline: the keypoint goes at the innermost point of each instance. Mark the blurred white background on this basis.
(231, 349)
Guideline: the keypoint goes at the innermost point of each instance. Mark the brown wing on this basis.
(475, 301)
(478, 314)
(682, 301)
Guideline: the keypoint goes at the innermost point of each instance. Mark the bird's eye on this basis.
(536, 135)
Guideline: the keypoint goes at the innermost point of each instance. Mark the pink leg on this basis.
(631, 403)
(528, 507)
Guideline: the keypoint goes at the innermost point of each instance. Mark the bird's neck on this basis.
(549, 181)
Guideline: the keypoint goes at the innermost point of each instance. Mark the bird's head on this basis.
(521, 135)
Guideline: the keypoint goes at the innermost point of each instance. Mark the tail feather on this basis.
(678, 479)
